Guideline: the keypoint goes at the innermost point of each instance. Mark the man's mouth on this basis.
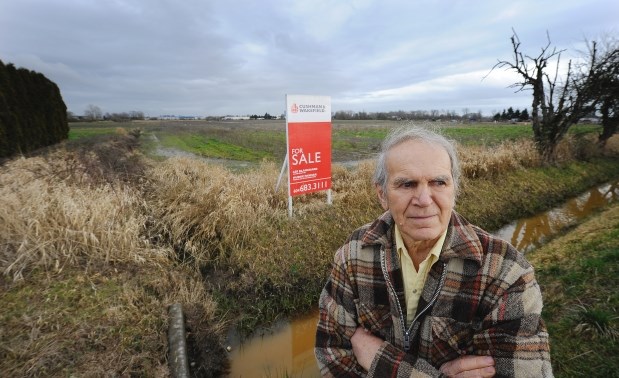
(421, 216)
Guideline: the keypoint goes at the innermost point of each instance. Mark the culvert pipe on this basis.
(177, 344)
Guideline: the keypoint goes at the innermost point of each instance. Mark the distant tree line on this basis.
(94, 113)
(512, 115)
(434, 115)
(32, 112)
(124, 116)
(265, 116)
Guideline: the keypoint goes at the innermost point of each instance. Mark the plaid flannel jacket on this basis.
(480, 298)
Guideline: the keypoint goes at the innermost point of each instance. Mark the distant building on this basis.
(169, 117)
(593, 120)
(235, 118)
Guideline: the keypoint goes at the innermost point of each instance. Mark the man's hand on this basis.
(365, 346)
(468, 367)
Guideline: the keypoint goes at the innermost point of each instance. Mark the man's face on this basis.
(420, 192)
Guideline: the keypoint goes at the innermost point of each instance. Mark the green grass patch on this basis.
(357, 143)
(493, 134)
(82, 132)
(579, 276)
(267, 143)
(210, 147)
(64, 323)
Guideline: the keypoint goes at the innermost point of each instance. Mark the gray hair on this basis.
(406, 133)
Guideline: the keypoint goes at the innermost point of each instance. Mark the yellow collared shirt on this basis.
(415, 280)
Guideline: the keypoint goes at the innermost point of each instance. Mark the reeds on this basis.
(57, 209)
(205, 210)
(85, 282)
(480, 161)
(104, 209)
(50, 216)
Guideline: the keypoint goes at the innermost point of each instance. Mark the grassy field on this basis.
(96, 240)
(579, 276)
(259, 140)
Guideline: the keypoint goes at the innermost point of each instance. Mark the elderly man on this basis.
(420, 292)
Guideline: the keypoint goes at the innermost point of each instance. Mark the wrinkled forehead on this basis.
(416, 145)
(418, 158)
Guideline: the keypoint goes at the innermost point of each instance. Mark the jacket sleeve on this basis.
(514, 333)
(393, 362)
(336, 325)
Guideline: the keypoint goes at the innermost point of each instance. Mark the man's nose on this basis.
(424, 196)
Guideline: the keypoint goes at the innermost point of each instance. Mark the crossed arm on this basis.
(365, 346)
(511, 333)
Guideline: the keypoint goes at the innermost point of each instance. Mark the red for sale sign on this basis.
(308, 131)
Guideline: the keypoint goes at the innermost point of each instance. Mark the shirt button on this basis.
(415, 291)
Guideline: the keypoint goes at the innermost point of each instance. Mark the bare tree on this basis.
(604, 81)
(93, 113)
(558, 101)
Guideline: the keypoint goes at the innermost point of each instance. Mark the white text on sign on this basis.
(298, 157)
(312, 186)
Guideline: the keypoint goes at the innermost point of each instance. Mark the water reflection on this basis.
(289, 350)
(530, 233)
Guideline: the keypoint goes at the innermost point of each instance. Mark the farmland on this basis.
(100, 234)
(257, 140)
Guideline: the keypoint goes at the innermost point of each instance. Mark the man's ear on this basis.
(381, 196)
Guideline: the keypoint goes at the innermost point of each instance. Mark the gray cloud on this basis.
(242, 57)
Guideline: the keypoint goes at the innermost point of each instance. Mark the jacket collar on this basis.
(461, 240)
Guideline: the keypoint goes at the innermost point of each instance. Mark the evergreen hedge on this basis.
(32, 112)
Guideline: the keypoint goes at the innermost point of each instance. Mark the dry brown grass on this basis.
(612, 146)
(478, 161)
(205, 210)
(483, 161)
(84, 284)
(52, 221)
(91, 240)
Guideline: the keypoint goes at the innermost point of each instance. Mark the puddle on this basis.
(287, 351)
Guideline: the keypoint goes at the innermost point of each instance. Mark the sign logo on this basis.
(294, 108)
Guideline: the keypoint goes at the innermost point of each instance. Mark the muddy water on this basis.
(530, 233)
(287, 349)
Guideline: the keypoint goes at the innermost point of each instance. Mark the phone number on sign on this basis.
(312, 186)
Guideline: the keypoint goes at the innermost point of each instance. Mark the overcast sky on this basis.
(229, 57)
